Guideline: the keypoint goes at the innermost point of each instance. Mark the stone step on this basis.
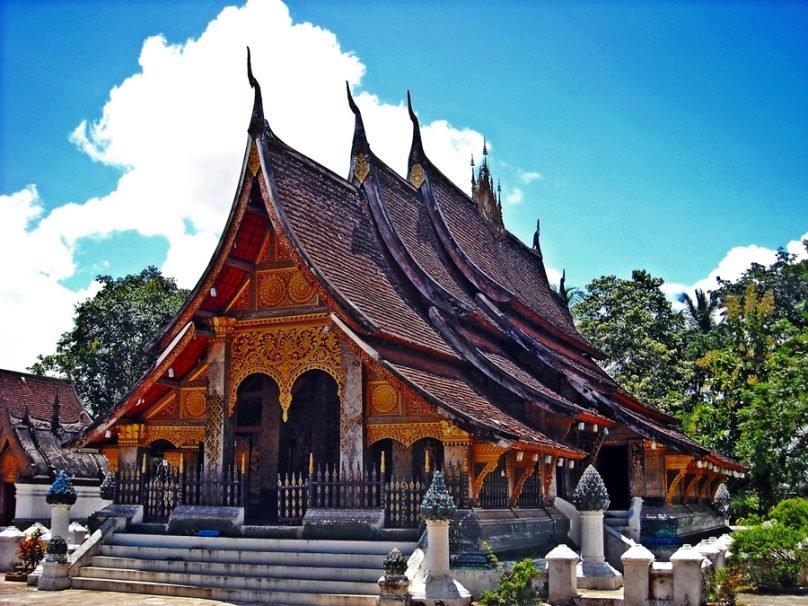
(599, 597)
(276, 598)
(260, 584)
(262, 544)
(229, 556)
(268, 568)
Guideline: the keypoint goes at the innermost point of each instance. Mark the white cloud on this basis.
(737, 260)
(528, 177)
(515, 196)
(177, 128)
(36, 308)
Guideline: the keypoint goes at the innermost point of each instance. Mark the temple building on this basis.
(38, 416)
(374, 328)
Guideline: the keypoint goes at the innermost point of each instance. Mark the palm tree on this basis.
(699, 312)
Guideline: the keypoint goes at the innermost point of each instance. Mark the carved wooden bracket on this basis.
(692, 490)
(527, 471)
(679, 464)
(488, 455)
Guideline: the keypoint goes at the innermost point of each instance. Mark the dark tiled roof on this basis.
(19, 391)
(331, 221)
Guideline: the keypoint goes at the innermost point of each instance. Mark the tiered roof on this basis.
(38, 415)
(432, 294)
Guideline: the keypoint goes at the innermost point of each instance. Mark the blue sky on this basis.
(663, 135)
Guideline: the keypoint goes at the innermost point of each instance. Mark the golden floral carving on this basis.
(193, 403)
(417, 175)
(113, 456)
(280, 288)
(361, 168)
(181, 436)
(166, 408)
(284, 353)
(212, 432)
(383, 399)
(418, 407)
(241, 302)
(409, 433)
(129, 435)
(253, 162)
(527, 471)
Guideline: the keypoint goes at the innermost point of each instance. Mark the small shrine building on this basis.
(383, 325)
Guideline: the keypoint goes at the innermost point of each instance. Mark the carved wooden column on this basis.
(350, 412)
(217, 395)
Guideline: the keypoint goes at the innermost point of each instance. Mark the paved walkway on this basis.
(20, 594)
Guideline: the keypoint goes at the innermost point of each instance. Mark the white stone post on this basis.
(592, 537)
(637, 563)
(437, 509)
(687, 576)
(60, 520)
(437, 554)
(561, 578)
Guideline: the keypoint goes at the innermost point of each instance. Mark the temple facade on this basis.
(352, 335)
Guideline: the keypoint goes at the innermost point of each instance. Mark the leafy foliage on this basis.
(513, 586)
(103, 354)
(792, 513)
(31, 550)
(739, 384)
(633, 323)
(769, 556)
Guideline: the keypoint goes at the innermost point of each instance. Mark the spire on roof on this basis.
(415, 170)
(473, 180)
(257, 122)
(537, 238)
(360, 148)
(55, 424)
(487, 197)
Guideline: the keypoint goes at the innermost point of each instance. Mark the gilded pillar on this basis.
(350, 411)
(215, 430)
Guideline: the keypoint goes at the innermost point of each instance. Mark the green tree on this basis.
(103, 355)
(633, 323)
(699, 310)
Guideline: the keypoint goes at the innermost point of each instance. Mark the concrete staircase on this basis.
(252, 570)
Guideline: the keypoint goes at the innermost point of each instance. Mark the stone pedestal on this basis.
(636, 576)
(687, 575)
(439, 587)
(561, 578)
(10, 538)
(592, 537)
(437, 554)
(54, 575)
(60, 520)
(594, 572)
(394, 590)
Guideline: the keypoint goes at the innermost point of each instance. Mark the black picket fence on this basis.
(332, 487)
(160, 488)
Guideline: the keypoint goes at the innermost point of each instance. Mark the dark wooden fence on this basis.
(161, 488)
(330, 487)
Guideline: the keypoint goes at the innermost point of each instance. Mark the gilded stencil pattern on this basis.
(409, 433)
(284, 353)
(419, 407)
(280, 288)
(193, 403)
(361, 168)
(383, 399)
(164, 409)
(179, 436)
(417, 175)
(213, 430)
(113, 456)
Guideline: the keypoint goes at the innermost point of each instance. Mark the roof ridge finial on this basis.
(417, 154)
(257, 121)
(360, 148)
